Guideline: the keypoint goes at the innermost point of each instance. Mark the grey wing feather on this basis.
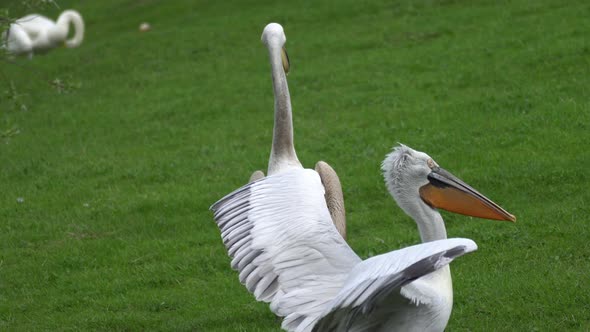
(231, 216)
(374, 281)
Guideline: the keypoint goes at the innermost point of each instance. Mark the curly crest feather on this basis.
(394, 162)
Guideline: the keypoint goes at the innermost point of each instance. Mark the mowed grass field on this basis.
(106, 178)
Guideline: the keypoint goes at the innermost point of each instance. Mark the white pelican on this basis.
(282, 155)
(279, 234)
(38, 34)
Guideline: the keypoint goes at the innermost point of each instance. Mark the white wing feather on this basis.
(280, 234)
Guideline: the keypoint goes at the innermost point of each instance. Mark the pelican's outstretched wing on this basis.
(333, 193)
(383, 276)
(281, 238)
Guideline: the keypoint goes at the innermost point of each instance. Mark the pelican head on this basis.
(274, 38)
(413, 176)
(273, 34)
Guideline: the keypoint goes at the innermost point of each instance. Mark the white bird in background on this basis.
(282, 154)
(279, 235)
(38, 34)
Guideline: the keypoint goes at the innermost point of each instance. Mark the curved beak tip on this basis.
(511, 217)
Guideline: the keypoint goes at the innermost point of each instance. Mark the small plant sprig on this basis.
(15, 98)
(65, 85)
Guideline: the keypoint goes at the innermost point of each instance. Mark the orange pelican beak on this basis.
(446, 191)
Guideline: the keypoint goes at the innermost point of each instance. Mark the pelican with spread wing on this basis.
(279, 234)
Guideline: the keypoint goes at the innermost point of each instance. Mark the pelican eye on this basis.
(431, 163)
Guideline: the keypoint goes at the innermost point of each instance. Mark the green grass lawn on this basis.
(106, 178)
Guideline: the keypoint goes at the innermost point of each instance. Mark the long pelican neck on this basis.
(430, 223)
(283, 151)
(432, 227)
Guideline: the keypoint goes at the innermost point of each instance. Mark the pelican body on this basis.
(279, 234)
(282, 155)
(35, 34)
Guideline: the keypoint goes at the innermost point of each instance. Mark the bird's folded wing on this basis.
(281, 238)
(18, 39)
(35, 24)
(383, 276)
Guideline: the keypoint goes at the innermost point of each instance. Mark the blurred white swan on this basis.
(34, 33)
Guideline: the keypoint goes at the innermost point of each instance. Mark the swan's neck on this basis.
(62, 27)
(59, 32)
(282, 154)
